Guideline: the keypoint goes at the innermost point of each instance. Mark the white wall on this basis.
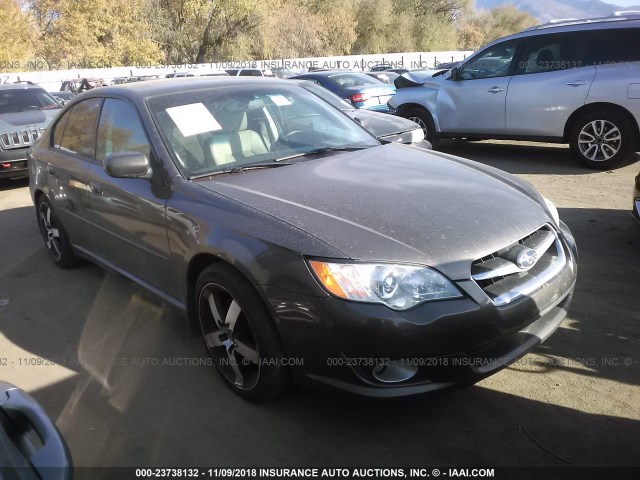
(51, 80)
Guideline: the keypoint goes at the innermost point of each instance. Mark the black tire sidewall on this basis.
(67, 257)
(274, 375)
(425, 116)
(626, 148)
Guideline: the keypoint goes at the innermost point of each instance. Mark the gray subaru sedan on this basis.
(299, 247)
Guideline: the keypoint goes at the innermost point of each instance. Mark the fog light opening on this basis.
(395, 371)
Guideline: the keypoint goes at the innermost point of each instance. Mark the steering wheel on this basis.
(290, 137)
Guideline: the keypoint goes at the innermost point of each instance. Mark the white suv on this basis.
(575, 82)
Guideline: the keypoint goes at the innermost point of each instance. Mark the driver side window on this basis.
(494, 61)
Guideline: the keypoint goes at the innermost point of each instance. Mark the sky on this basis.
(624, 3)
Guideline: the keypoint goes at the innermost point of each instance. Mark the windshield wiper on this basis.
(253, 166)
(320, 150)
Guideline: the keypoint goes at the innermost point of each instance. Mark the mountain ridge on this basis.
(546, 10)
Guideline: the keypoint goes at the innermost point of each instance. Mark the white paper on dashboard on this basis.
(193, 119)
(280, 100)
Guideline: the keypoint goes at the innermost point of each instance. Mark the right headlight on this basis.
(399, 287)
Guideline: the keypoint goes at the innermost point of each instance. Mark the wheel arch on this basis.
(598, 106)
(203, 260)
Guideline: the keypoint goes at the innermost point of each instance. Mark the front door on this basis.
(128, 214)
(475, 102)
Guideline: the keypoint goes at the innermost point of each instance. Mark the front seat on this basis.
(236, 146)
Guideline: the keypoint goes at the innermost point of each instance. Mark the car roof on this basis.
(20, 86)
(629, 16)
(166, 86)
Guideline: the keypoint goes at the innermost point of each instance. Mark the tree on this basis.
(16, 36)
(92, 33)
(484, 27)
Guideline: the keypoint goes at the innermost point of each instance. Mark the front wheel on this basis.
(240, 335)
(423, 118)
(602, 140)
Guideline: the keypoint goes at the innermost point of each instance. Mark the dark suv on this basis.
(25, 111)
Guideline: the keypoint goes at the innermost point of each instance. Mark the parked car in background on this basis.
(179, 75)
(78, 85)
(572, 82)
(297, 247)
(25, 111)
(384, 77)
(447, 65)
(388, 68)
(62, 97)
(359, 89)
(282, 72)
(22, 421)
(250, 72)
(635, 211)
(386, 128)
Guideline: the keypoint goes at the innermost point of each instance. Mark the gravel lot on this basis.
(84, 342)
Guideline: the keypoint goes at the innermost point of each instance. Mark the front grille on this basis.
(514, 271)
(20, 139)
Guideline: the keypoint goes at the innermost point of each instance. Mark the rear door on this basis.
(128, 214)
(551, 82)
(71, 154)
(475, 103)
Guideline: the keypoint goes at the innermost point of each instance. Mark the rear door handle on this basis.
(96, 188)
(577, 83)
(51, 170)
(495, 90)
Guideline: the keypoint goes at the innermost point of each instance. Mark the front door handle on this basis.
(577, 83)
(96, 188)
(495, 90)
(51, 170)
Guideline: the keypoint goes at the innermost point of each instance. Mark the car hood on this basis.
(382, 124)
(396, 203)
(29, 117)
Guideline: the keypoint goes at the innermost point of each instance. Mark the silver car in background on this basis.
(575, 82)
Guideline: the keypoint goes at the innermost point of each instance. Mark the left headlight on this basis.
(553, 211)
(399, 287)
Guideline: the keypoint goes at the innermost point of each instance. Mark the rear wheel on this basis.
(423, 118)
(602, 140)
(240, 335)
(55, 237)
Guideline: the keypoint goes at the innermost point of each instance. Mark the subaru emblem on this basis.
(527, 258)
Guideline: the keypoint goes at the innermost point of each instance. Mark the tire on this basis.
(602, 140)
(55, 237)
(239, 334)
(423, 118)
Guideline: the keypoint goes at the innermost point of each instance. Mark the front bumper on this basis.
(13, 163)
(346, 345)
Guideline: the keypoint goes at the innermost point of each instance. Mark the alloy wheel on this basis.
(599, 140)
(229, 337)
(50, 231)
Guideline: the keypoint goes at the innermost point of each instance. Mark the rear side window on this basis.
(120, 130)
(616, 45)
(548, 53)
(79, 132)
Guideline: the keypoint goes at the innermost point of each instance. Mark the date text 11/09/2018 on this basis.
(285, 473)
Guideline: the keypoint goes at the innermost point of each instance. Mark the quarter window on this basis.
(120, 130)
(79, 132)
(614, 46)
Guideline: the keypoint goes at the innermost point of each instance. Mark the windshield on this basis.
(329, 97)
(223, 128)
(20, 100)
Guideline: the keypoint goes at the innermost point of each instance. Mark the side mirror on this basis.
(127, 165)
(454, 74)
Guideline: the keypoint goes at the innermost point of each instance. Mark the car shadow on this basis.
(520, 157)
(12, 184)
(129, 385)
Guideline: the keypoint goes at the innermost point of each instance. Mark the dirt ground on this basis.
(70, 337)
